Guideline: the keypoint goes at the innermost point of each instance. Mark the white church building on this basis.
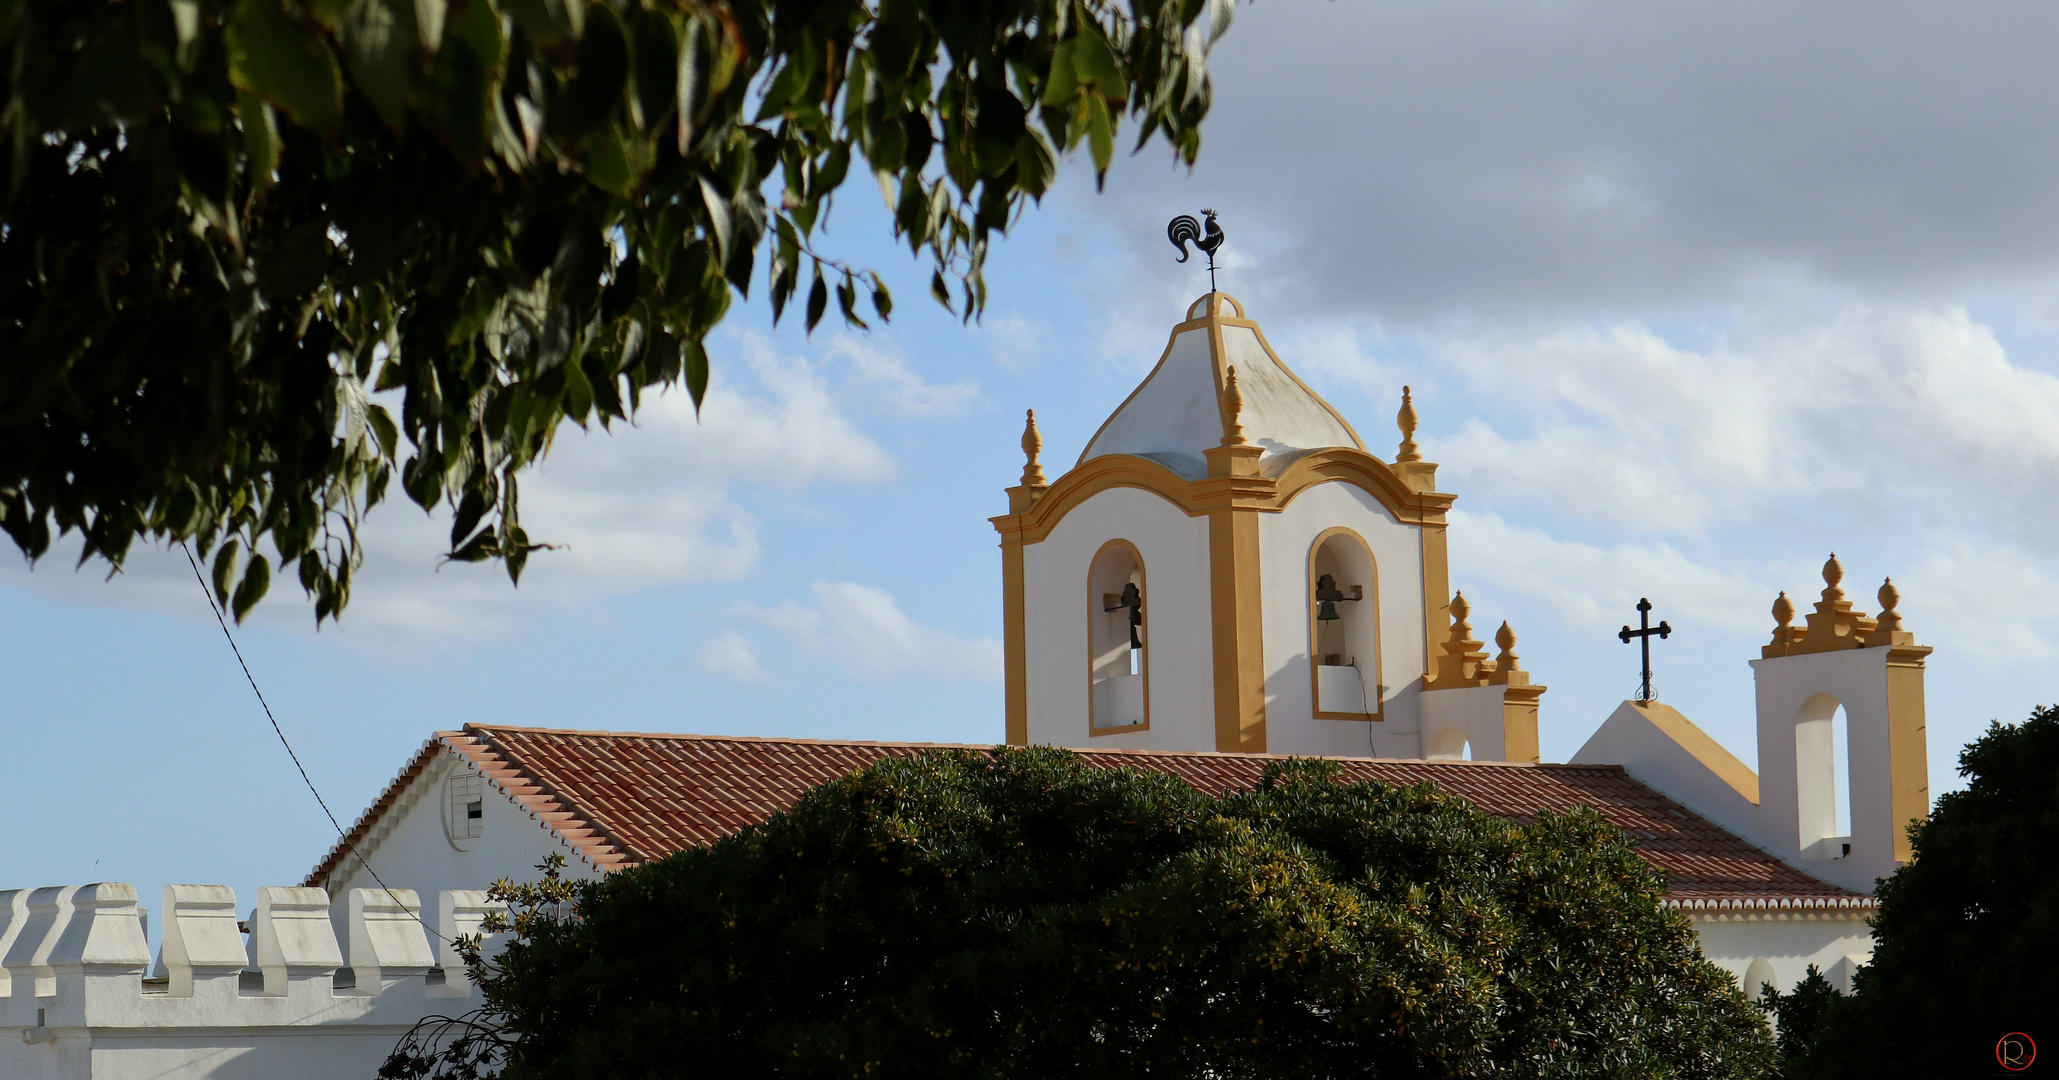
(1227, 574)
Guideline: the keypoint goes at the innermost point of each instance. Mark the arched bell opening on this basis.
(1344, 628)
(1822, 774)
(1118, 660)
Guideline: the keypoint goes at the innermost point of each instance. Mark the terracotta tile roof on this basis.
(623, 798)
(360, 835)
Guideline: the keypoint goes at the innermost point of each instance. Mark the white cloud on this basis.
(903, 390)
(791, 434)
(1882, 412)
(1989, 604)
(1337, 354)
(863, 630)
(1590, 586)
(1015, 341)
(730, 654)
(1419, 159)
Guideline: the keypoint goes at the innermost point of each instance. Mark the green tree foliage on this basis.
(1799, 1015)
(1966, 945)
(228, 223)
(1021, 913)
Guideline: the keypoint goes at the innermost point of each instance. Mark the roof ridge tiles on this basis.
(762, 740)
(624, 798)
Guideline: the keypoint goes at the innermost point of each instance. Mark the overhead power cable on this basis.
(223, 622)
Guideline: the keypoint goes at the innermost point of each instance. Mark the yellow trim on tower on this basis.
(1014, 644)
(1375, 477)
(1908, 767)
(1436, 586)
(1251, 489)
(1238, 631)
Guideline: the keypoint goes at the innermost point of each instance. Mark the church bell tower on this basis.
(1227, 567)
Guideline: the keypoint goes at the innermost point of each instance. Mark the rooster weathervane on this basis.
(1184, 228)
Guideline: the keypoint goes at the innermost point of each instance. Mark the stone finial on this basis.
(1890, 620)
(1785, 633)
(1833, 572)
(1835, 624)
(1507, 670)
(1464, 662)
(1406, 419)
(1032, 445)
(1232, 410)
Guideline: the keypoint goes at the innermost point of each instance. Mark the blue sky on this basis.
(1690, 296)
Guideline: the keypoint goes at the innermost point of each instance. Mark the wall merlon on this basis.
(201, 940)
(28, 960)
(387, 942)
(14, 912)
(460, 914)
(93, 956)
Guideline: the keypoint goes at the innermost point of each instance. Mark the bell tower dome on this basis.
(1227, 567)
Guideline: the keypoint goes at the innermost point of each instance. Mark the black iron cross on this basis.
(1643, 634)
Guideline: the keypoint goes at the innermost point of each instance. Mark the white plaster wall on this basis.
(1857, 679)
(1474, 711)
(1284, 541)
(1789, 946)
(412, 850)
(1179, 654)
(1628, 738)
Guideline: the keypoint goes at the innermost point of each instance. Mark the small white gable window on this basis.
(464, 801)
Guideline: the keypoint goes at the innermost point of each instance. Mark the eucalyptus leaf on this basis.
(256, 579)
(260, 139)
(429, 16)
(380, 40)
(501, 214)
(277, 58)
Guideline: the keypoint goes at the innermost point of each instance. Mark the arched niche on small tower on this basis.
(1118, 653)
(1757, 977)
(1816, 737)
(1343, 627)
(1450, 745)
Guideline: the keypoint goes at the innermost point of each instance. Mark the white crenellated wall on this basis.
(412, 848)
(1285, 540)
(1178, 649)
(79, 1007)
